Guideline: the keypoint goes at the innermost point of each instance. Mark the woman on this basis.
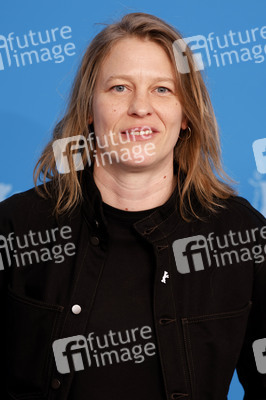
(133, 271)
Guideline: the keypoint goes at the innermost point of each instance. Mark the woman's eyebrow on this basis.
(129, 77)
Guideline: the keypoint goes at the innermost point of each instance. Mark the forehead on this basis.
(137, 55)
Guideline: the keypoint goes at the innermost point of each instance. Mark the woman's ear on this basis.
(184, 123)
(90, 119)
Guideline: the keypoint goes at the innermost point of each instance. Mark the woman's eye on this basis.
(162, 89)
(119, 88)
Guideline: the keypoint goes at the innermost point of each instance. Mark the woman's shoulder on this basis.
(238, 208)
(26, 205)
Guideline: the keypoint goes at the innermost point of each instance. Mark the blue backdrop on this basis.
(36, 71)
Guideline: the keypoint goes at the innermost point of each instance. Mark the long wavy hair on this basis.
(197, 156)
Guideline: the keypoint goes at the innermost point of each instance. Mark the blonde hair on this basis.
(197, 156)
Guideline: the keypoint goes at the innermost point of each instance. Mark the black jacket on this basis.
(207, 314)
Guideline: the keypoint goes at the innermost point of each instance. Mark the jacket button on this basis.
(55, 384)
(95, 240)
(76, 309)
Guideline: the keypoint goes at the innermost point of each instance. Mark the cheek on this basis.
(173, 119)
(176, 114)
(171, 110)
(103, 114)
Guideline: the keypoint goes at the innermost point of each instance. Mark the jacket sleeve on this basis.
(253, 381)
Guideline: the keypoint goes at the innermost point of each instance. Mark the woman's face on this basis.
(135, 91)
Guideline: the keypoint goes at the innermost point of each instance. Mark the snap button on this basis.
(95, 240)
(55, 384)
(76, 309)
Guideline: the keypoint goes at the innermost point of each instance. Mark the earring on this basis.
(189, 130)
(185, 131)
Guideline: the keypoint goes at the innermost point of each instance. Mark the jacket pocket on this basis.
(31, 329)
(213, 343)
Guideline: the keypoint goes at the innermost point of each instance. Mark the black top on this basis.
(206, 320)
(121, 336)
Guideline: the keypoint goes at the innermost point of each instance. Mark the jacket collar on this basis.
(94, 215)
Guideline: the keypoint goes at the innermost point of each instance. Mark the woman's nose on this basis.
(140, 105)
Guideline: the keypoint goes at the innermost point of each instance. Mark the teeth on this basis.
(147, 132)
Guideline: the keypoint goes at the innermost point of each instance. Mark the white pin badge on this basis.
(165, 275)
